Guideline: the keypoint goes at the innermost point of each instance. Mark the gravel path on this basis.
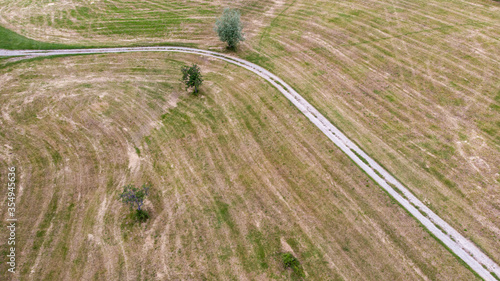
(463, 248)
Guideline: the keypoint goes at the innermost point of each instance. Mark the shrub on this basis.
(134, 197)
(289, 261)
(141, 215)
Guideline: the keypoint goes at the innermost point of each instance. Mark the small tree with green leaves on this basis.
(191, 76)
(134, 197)
(229, 28)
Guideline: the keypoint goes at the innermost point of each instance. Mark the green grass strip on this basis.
(12, 41)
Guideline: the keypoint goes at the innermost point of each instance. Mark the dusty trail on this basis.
(459, 245)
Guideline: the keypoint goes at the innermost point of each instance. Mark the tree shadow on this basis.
(232, 49)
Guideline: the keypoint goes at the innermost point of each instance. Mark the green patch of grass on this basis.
(86, 85)
(259, 247)
(489, 126)
(49, 215)
(179, 123)
(441, 177)
(259, 60)
(360, 157)
(390, 98)
(13, 41)
(442, 150)
(223, 214)
(62, 245)
(319, 73)
(56, 157)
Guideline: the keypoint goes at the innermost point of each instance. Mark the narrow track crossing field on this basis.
(459, 245)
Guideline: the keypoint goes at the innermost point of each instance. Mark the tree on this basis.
(229, 27)
(134, 197)
(191, 76)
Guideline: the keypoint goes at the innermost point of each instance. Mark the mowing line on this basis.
(485, 267)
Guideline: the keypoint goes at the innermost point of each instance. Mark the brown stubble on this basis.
(414, 84)
(235, 171)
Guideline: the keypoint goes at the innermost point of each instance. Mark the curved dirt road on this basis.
(459, 245)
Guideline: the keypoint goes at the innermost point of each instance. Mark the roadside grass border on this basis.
(38, 58)
(14, 41)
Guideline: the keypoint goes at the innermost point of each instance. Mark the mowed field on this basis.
(239, 176)
(414, 83)
(139, 22)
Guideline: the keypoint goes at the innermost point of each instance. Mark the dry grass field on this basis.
(239, 177)
(127, 22)
(417, 85)
(414, 83)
